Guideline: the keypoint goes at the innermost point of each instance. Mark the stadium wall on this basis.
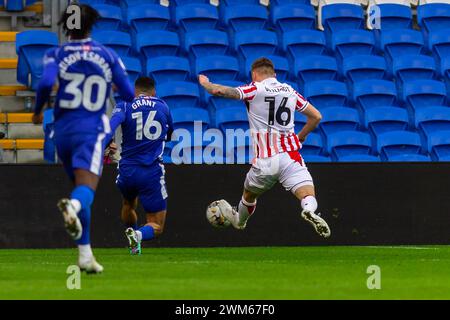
(365, 204)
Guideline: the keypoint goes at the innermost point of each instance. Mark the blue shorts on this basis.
(146, 182)
(81, 151)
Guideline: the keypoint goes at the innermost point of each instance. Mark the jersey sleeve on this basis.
(302, 103)
(120, 78)
(47, 81)
(117, 118)
(247, 92)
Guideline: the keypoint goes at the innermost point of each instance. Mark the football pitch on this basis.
(339, 272)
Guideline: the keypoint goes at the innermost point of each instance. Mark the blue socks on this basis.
(148, 233)
(85, 196)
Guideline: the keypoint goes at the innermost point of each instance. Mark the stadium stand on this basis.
(373, 86)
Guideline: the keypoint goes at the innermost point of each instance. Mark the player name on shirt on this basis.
(143, 102)
(86, 56)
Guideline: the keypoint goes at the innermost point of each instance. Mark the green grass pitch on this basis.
(232, 273)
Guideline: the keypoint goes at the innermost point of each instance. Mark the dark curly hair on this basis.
(89, 17)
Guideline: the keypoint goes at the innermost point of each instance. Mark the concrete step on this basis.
(8, 45)
(8, 71)
(22, 150)
(14, 104)
(19, 126)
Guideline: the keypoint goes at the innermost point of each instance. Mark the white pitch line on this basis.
(400, 247)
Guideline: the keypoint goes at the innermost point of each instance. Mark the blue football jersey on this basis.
(146, 124)
(85, 71)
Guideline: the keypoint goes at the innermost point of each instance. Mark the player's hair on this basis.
(89, 17)
(145, 84)
(263, 65)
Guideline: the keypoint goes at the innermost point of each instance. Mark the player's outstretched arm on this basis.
(313, 119)
(217, 89)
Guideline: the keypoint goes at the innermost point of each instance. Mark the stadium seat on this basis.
(30, 48)
(365, 67)
(313, 145)
(14, 5)
(299, 121)
(302, 43)
(178, 94)
(186, 117)
(110, 17)
(165, 69)
(120, 42)
(245, 17)
(359, 158)
(342, 16)
(177, 3)
(256, 43)
(439, 44)
(431, 119)
(414, 67)
(281, 64)
(374, 93)
(395, 143)
(157, 43)
(142, 18)
(434, 16)
(383, 119)
(218, 68)
(207, 42)
(394, 16)
(439, 145)
(311, 158)
(291, 17)
(196, 16)
(353, 42)
(336, 119)
(396, 43)
(133, 67)
(313, 68)
(445, 68)
(407, 157)
(326, 93)
(232, 118)
(423, 93)
(346, 143)
(283, 2)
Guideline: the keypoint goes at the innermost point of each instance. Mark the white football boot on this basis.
(71, 220)
(90, 266)
(231, 214)
(317, 222)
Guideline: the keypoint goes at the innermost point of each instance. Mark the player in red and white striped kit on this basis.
(271, 106)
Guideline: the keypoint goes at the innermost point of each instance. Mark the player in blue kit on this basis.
(146, 124)
(85, 71)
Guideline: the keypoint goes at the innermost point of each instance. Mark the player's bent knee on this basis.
(304, 191)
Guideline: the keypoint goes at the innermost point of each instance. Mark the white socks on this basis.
(76, 205)
(138, 235)
(245, 210)
(85, 252)
(309, 203)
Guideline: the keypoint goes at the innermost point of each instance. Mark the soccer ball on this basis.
(215, 216)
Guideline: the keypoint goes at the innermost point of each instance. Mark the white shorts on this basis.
(287, 168)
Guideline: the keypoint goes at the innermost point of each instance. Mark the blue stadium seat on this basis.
(439, 145)
(313, 68)
(396, 43)
(299, 121)
(185, 118)
(179, 94)
(336, 119)
(374, 93)
(196, 16)
(291, 17)
(255, 43)
(14, 5)
(177, 3)
(414, 67)
(302, 43)
(165, 69)
(423, 93)
(445, 68)
(206, 42)
(281, 64)
(218, 68)
(313, 145)
(342, 16)
(142, 18)
(216, 103)
(409, 158)
(353, 42)
(365, 67)
(346, 143)
(133, 67)
(283, 2)
(110, 17)
(359, 158)
(383, 119)
(434, 16)
(30, 48)
(157, 43)
(395, 143)
(326, 93)
(311, 158)
(439, 44)
(395, 16)
(431, 119)
(232, 118)
(245, 17)
(120, 42)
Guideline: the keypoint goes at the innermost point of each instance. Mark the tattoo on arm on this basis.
(222, 91)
